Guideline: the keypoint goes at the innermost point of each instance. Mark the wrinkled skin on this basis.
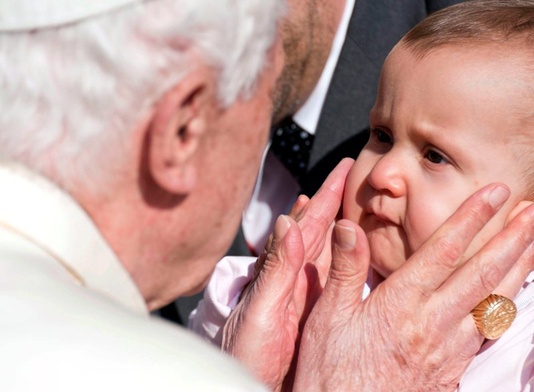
(289, 278)
(414, 332)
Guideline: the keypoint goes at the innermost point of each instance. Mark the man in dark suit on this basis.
(334, 53)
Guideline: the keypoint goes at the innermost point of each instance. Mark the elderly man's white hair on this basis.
(68, 93)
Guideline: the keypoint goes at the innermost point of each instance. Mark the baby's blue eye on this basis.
(435, 157)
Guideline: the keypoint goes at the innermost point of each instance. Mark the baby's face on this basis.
(442, 127)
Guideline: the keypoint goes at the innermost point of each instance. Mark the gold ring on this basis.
(494, 315)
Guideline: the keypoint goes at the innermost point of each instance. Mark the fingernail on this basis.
(345, 237)
(282, 226)
(498, 196)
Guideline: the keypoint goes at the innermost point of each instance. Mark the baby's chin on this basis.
(389, 250)
(386, 266)
(380, 270)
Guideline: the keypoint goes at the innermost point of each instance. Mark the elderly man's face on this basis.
(230, 158)
(307, 34)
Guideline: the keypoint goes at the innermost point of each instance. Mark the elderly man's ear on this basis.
(177, 128)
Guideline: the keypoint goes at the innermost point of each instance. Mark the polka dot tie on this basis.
(292, 145)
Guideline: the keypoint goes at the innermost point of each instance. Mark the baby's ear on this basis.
(517, 209)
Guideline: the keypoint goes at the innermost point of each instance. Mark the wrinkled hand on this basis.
(414, 332)
(262, 331)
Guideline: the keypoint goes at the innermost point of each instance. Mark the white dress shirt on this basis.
(72, 319)
(276, 190)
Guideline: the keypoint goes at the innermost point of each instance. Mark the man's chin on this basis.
(198, 288)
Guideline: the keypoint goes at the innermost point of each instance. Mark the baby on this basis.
(454, 112)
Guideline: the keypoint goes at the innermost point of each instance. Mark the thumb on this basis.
(350, 265)
(283, 260)
(269, 294)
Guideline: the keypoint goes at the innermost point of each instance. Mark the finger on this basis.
(484, 271)
(350, 265)
(319, 213)
(298, 207)
(258, 265)
(442, 254)
(267, 310)
(317, 272)
(326, 201)
(324, 260)
(512, 282)
(284, 259)
(270, 294)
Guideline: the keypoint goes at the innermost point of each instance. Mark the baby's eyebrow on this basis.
(377, 115)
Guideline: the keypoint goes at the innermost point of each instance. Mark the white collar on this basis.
(308, 115)
(44, 214)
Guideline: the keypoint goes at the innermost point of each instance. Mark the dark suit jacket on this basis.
(374, 28)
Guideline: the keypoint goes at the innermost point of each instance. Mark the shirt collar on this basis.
(308, 115)
(48, 217)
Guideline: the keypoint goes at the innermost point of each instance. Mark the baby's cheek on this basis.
(416, 236)
(388, 252)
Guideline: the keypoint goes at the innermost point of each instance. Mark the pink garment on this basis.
(503, 365)
(221, 295)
